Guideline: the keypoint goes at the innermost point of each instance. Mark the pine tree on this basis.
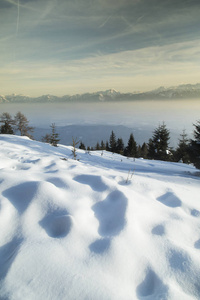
(54, 136)
(74, 144)
(6, 128)
(139, 149)
(21, 124)
(160, 140)
(197, 131)
(182, 151)
(195, 146)
(103, 146)
(82, 146)
(151, 149)
(131, 149)
(120, 146)
(144, 150)
(112, 142)
(107, 146)
(97, 147)
(46, 138)
(7, 118)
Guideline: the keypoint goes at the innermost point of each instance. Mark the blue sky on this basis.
(75, 46)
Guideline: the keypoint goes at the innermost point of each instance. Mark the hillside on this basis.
(103, 227)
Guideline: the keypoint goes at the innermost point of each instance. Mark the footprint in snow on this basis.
(111, 216)
(152, 287)
(94, 181)
(169, 199)
(195, 213)
(57, 225)
(197, 244)
(22, 194)
(100, 246)
(158, 230)
(51, 168)
(72, 167)
(179, 260)
(59, 183)
(33, 161)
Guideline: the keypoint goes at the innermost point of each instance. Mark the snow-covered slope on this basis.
(101, 228)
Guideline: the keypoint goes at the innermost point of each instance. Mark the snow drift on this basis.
(104, 227)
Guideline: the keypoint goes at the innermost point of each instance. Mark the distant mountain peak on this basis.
(111, 91)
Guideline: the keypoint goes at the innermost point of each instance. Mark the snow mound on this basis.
(103, 227)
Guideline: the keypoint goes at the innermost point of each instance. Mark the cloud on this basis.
(152, 64)
(90, 40)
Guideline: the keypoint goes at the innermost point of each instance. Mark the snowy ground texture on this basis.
(78, 230)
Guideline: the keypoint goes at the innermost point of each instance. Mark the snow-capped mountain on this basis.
(111, 93)
(177, 92)
(16, 98)
(185, 91)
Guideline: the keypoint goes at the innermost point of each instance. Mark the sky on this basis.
(74, 46)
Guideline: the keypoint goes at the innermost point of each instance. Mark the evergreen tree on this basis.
(112, 142)
(120, 146)
(82, 146)
(54, 136)
(46, 138)
(131, 149)
(6, 128)
(160, 143)
(195, 146)
(197, 131)
(103, 146)
(151, 149)
(182, 152)
(74, 144)
(107, 146)
(97, 147)
(144, 150)
(6, 118)
(21, 124)
(139, 149)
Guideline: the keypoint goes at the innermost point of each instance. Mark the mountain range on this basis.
(185, 91)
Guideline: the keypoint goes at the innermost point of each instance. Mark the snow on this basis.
(103, 227)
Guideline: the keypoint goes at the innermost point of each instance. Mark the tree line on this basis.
(18, 124)
(187, 151)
